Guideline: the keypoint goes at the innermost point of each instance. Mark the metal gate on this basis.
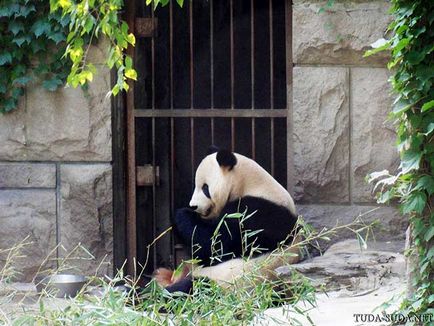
(214, 72)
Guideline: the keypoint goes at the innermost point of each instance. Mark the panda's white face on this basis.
(225, 176)
(213, 185)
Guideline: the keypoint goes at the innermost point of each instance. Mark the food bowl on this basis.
(60, 285)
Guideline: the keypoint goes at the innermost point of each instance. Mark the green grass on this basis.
(243, 303)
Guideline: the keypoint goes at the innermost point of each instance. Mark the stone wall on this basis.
(55, 177)
(340, 106)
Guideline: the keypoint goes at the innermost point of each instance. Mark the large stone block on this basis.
(341, 34)
(373, 136)
(68, 124)
(86, 216)
(321, 134)
(391, 227)
(13, 131)
(27, 175)
(28, 216)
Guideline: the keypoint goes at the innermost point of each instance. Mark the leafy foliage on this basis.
(50, 42)
(28, 31)
(91, 19)
(412, 60)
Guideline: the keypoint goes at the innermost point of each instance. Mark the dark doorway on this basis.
(213, 72)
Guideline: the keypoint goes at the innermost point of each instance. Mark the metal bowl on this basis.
(60, 285)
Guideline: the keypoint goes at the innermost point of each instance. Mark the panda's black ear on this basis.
(212, 149)
(226, 159)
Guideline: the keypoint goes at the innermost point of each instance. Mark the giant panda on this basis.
(225, 183)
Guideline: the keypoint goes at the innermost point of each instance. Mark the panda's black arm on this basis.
(191, 226)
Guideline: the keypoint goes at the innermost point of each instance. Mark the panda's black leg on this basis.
(184, 285)
(191, 226)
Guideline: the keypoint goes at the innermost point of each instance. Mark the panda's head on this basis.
(213, 182)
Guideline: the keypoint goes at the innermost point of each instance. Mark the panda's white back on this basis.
(250, 179)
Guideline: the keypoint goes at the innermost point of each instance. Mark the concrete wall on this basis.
(55, 175)
(340, 106)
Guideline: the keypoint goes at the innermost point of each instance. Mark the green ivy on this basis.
(28, 32)
(49, 42)
(412, 61)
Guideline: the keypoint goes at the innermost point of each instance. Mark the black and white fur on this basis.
(226, 183)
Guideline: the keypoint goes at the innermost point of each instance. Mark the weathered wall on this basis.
(55, 175)
(340, 106)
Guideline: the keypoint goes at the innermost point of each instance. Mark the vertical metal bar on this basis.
(289, 126)
(190, 4)
(153, 63)
(231, 26)
(271, 55)
(172, 185)
(131, 158)
(192, 160)
(172, 133)
(171, 52)
(212, 132)
(270, 9)
(154, 199)
(154, 192)
(190, 18)
(252, 72)
(211, 49)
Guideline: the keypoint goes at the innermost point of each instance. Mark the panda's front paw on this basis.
(163, 276)
(166, 277)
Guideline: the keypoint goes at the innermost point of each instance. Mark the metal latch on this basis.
(148, 175)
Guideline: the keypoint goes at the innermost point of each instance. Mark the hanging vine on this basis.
(412, 60)
(28, 31)
(48, 42)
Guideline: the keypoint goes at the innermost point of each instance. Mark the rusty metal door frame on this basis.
(128, 233)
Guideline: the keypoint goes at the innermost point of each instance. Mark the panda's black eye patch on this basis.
(205, 190)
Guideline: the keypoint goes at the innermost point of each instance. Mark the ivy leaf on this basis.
(5, 58)
(429, 129)
(415, 57)
(10, 104)
(428, 106)
(57, 37)
(416, 203)
(386, 197)
(24, 11)
(429, 234)
(21, 81)
(15, 26)
(20, 40)
(131, 73)
(378, 46)
(401, 106)
(400, 45)
(52, 84)
(426, 183)
(40, 27)
(3, 89)
(430, 253)
(410, 160)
